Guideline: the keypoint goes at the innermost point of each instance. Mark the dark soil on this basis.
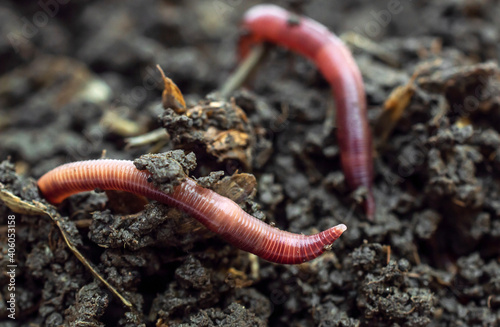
(79, 77)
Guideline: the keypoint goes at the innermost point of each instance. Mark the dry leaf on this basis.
(120, 125)
(394, 107)
(172, 96)
(237, 187)
(20, 206)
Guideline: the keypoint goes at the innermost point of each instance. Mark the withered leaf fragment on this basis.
(171, 96)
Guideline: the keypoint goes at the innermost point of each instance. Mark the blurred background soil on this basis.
(79, 78)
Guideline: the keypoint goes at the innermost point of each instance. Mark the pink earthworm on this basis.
(273, 24)
(216, 212)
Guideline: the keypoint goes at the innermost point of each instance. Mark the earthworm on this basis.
(216, 212)
(270, 23)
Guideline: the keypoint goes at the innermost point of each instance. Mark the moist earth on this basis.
(83, 84)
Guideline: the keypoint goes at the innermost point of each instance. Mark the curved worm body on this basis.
(270, 23)
(219, 214)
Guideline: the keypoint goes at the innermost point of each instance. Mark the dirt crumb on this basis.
(168, 169)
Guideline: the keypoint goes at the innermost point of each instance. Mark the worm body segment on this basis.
(218, 213)
(270, 23)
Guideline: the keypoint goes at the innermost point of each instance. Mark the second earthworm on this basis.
(270, 23)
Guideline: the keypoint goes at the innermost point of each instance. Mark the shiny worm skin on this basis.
(218, 213)
(270, 23)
